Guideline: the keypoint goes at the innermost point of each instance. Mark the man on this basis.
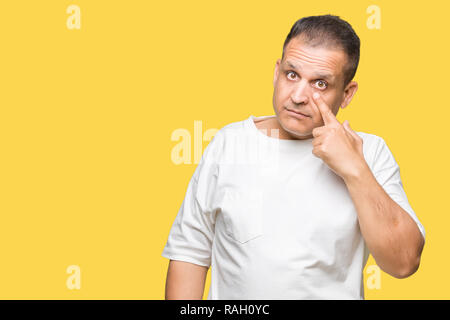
(299, 219)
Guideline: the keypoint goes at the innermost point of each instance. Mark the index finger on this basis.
(327, 116)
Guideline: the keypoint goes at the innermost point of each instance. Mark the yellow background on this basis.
(87, 116)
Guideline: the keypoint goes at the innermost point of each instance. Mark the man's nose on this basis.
(301, 93)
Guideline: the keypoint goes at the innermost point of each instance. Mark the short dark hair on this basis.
(329, 31)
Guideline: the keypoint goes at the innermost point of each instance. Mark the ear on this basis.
(277, 70)
(349, 92)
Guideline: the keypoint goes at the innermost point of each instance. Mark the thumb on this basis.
(349, 130)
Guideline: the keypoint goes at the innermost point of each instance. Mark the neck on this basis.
(286, 135)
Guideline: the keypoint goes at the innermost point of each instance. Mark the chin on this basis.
(297, 128)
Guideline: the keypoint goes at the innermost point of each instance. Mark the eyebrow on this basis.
(327, 76)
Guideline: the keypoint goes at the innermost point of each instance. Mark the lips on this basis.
(305, 115)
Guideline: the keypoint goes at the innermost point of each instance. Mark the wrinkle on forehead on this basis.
(320, 57)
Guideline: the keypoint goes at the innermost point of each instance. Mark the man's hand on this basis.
(337, 144)
(391, 235)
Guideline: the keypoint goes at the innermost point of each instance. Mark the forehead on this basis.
(320, 59)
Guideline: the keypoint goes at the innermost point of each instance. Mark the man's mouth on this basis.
(294, 112)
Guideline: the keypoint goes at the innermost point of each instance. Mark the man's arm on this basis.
(391, 235)
(185, 281)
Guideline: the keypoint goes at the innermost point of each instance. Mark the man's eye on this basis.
(289, 72)
(321, 84)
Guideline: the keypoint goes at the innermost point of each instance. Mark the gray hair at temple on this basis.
(331, 32)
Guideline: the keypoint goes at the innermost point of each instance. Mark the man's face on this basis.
(303, 71)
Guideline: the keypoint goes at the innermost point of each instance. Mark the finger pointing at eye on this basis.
(327, 115)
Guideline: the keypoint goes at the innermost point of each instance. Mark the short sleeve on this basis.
(387, 173)
(192, 233)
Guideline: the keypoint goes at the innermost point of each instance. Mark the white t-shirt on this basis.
(274, 221)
